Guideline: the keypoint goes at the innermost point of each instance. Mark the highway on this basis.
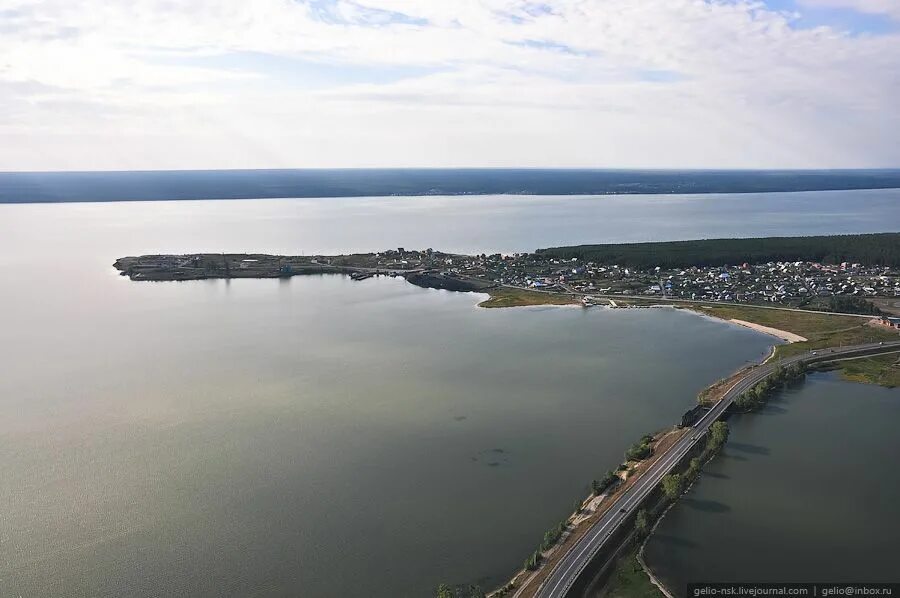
(564, 575)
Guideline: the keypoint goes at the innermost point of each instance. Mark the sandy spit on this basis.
(782, 334)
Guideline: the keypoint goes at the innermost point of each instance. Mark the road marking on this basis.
(648, 480)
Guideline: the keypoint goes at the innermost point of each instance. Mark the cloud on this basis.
(292, 83)
(877, 7)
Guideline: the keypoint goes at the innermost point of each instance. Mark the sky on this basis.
(183, 84)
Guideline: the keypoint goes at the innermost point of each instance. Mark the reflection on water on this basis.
(799, 494)
(320, 436)
(273, 437)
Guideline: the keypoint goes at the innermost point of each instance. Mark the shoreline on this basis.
(789, 337)
(524, 583)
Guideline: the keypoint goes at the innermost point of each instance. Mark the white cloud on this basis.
(605, 83)
(884, 7)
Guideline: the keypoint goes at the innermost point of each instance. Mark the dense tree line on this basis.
(852, 305)
(693, 470)
(718, 434)
(674, 484)
(873, 250)
(759, 394)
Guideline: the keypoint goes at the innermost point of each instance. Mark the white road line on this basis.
(649, 479)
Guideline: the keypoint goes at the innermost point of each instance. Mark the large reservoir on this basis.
(320, 436)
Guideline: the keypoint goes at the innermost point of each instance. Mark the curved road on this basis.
(566, 572)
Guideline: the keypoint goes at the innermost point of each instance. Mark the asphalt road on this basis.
(567, 571)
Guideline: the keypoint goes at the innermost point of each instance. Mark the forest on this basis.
(879, 249)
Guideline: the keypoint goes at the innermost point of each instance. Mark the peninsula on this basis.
(857, 274)
(813, 292)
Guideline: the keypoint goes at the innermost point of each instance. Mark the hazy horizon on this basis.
(39, 187)
(675, 84)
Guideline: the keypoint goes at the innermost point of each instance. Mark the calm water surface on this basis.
(463, 224)
(804, 491)
(320, 436)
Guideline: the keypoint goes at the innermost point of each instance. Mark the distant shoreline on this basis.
(202, 185)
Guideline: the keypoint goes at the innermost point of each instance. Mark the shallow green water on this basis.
(805, 491)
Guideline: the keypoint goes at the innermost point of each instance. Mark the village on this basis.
(845, 287)
(787, 284)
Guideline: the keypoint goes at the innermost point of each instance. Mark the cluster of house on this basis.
(775, 282)
(890, 322)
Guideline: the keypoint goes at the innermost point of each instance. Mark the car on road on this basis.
(622, 510)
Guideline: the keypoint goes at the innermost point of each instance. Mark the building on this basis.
(889, 322)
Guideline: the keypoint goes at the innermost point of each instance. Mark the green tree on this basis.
(642, 524)
(552, 536)
(673, 486)
(778, 374)
(444, 591)
(608, 479)
(718, 433)
(475, 592)
(640, 450)
(693, 470)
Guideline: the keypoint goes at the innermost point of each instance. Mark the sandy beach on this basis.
(782, 334)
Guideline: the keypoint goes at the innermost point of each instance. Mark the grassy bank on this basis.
(883, 370)
(508, 297)
(822, 330)
(629, 580)
(808, 324)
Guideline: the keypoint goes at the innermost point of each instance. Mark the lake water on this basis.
(319, 436)
(461, 224)
(804, 491)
